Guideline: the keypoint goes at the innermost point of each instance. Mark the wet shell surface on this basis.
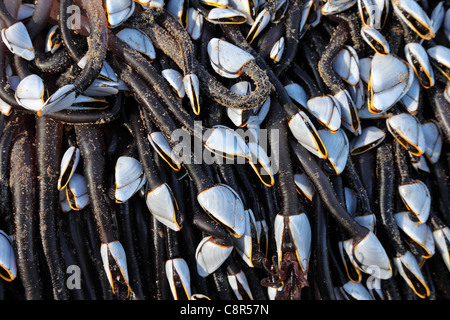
(224, 150)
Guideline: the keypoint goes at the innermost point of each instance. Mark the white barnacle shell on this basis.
(374, 286)
(297, 93)
(226, 142)
(351, 203)
(122, 85)
(349, 113)
(178, 8)
(356, 291)
(63, 201)
(216, 3)
(226, 16)
(195, 23)
(26, 10)
(245, 244)
(238, 116)
(61, 99)
(261, 21)
(326, 109)
(260, 163)
(175, 79)
(162, 204)
(336, 6)
(447, 24)
(129, 177)
(440, 57)
(304, 185)
(418, 234)
(299, 234)
(178, 270)
(308, 9)
(306, 134)
(50, 45)
(250, 118)
(277, 50)
(409, 269)
(273, 291)
(242, 88)
(106, 72)
(419, 163)
(210, 255)
(30, 93)
(373, 13)
(390, 79)
(346, 252)
(368, 220)
(7, 258)
(358, 94)
(447, 93)
(338, 148)
(346, 65)
(224, 205)
(441, 238)
(162, 147)
(227, 59)
(371, 257)
(138, 40)
(279, 11)
(151, 3)
(102, 88)
(248, 7)
(433, 140)
(369, 138)
(5, 108)
(418, 58)
(365, 113)
(259, 114)
(417, 198)
(69, 163)
(239, 284)
(411, 98)
(192, 89)
(375, 39)
(364, 69)
(414, 16)
(199, 296)
(118, 11)
(83, 102)
(77, 192)
(115, 263)
(17, 40)
(408, 132)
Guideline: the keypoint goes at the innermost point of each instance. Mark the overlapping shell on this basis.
(383, 97)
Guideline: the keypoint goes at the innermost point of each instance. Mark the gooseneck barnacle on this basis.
(224, 150)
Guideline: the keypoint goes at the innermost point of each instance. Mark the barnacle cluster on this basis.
(224, 149)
